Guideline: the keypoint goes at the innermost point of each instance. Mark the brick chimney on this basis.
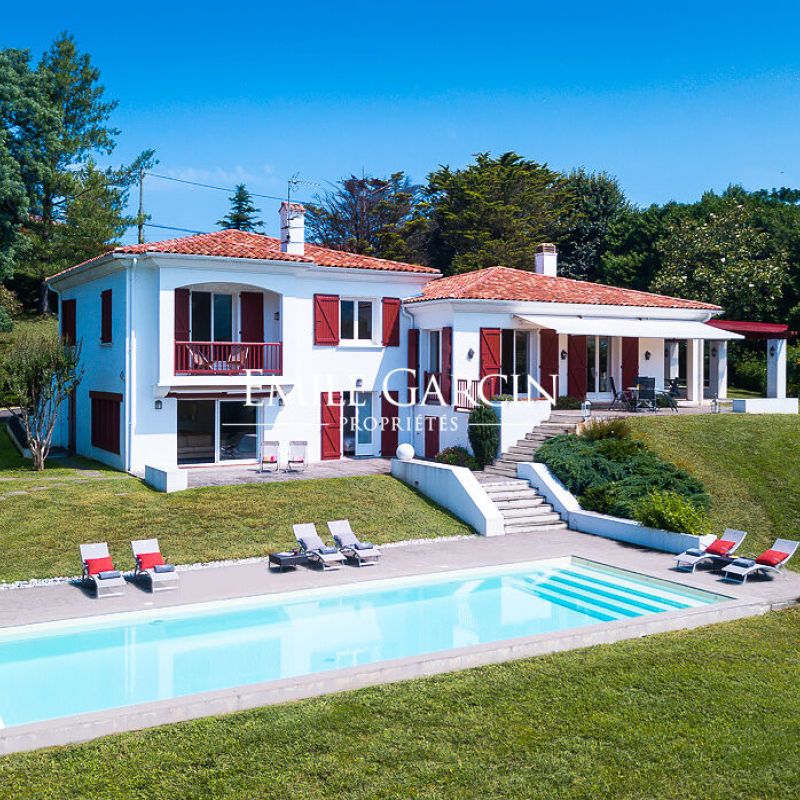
(293, 228)
(547, 259)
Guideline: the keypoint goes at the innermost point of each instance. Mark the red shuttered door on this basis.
(331, 419)
(490, 363)
(252, 306)
(391, 424)
(326, 319)
(413, 364)
(391, 322)
(68, 321)
(630, 362)
(548, 359)
(447, 365)
(432, 428)
(576, 369)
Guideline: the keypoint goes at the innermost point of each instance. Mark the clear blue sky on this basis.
(673, 98)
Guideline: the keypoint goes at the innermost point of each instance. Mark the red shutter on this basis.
(181, 315)
(490, 363)
(432, 428)
(413, 362)
(326, 319)
(630, 362)
(105, 422)
(68, 321)
(548, 359)
(105, 316)
(576, 368)
(447, 365)
(331, 419)
(391, 424)
(391, 322)
(252, 306)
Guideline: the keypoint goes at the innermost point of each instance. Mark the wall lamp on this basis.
(772, 351)
(563, 355)
(647, 355)
(713, 352)
(470, 354)
(159, 404)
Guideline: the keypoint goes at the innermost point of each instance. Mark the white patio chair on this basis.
(772, 560)
(720, 550)
(298, 456)
(350, 546)
(150, 563)
(98, 568)
(270, 456)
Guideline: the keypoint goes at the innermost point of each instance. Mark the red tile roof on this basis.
(239, 244)
(504, 283)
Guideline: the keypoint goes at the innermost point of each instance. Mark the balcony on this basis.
(228, 358)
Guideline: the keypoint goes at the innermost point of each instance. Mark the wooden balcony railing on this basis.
(466, 394)
(228, 358)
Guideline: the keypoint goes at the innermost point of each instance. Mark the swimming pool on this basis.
(60, 669)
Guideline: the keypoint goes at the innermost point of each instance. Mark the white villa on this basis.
(173, 332)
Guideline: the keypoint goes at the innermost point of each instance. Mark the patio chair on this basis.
(151, 565)
(237, 360)
(772, 560)
(316, 550)
(623, 400)
(668, 399)
(98, 568)
(298, 456)
(350, 546)
(270, 456)
(720, 551)
(200, 361)
(647, 394)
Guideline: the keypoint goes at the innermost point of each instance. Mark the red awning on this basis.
(754, 330)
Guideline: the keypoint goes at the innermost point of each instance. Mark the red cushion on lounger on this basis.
(150, 560)
(96, 565)
(771, 558)
(721, 547)
(271, 459)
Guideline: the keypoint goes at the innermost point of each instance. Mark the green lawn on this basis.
(706, 714)
(62, 507)
(750, 465)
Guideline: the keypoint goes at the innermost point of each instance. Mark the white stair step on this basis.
(533, 519)
(515, 503)
(555, 526)
(526, 513)
(514, 494)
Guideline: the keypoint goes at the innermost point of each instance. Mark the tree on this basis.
(585, 236)
(723, 256)
(242, 215)
(495, 211)
(484, 434)
(39, 373)
(366, 215)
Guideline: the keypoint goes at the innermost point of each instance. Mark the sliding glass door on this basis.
(215, 431)
(598, 364)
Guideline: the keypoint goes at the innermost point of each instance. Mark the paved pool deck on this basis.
(65, 601)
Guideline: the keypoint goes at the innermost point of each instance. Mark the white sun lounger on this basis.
(150, 563)
(742, 568)
(106, 579)
(691, 559)
(351, 546)
(315, 548)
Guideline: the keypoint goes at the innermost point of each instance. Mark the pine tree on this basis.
(242, 215)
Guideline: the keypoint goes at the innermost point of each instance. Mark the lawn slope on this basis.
(619, 721)
(749, 464)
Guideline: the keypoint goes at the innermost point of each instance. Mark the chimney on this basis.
(547, 259)
(293, 229)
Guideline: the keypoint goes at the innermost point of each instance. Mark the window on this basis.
(105, 316)
(223, 318)
(212, 317)
(434, 351)
(356, 318)
(597, 363)
(106, 420)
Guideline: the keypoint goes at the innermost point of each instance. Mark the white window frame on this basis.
(355, 341)
(235, 313)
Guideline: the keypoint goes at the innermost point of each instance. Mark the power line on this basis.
(217, 188)
(169, 228)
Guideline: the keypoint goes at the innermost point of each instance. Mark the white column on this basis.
(694, 370)
(719, 369)
(776, 368)
(673, 360)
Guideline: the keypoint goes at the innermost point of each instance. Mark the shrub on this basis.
(568, 403)
(6, 325)
(10, 302)
(457, 457)
(484, 434)
(597, 429)
(671, 512)
(577, 464)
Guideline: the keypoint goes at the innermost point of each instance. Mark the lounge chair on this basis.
(298, 456)
(150, 563)
(623, 400)
(350, 546)
(270, 456)
(316, 550)
(719, 551)
(98, 568)
(772, 560)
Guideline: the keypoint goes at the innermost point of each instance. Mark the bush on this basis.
(484, 434)
(597, 429)
(568, 403)
(671, 512)
(457, 457)
(6, 324)
(577, 463)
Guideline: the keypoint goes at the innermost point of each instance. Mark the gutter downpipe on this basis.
(413, 408)
(130, 363)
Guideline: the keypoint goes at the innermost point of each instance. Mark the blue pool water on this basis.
(60, 669)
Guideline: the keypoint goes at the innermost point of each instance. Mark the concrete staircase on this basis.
(523, 509)
(525, 449)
